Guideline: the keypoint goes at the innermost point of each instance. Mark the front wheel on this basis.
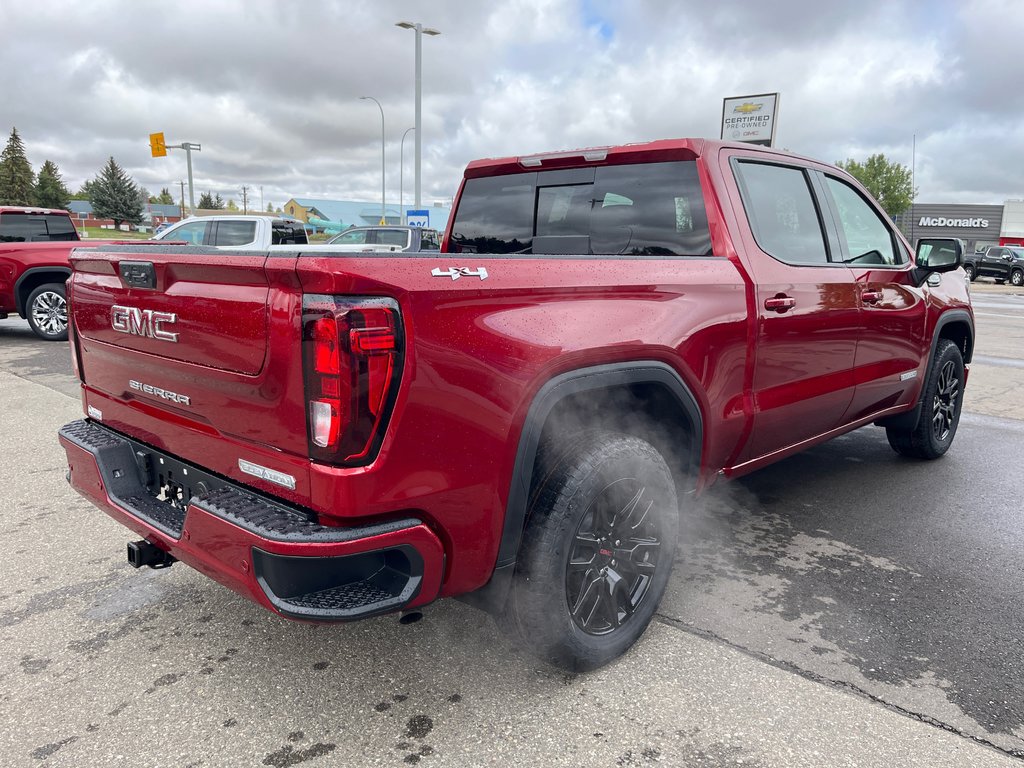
(941, 400)
(47, 312)
(969, 271)
(597, 551)
(1017, 277)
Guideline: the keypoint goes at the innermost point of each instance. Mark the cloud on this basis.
(271, 90)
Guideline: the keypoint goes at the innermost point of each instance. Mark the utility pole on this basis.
(182, 198)
(245, 199)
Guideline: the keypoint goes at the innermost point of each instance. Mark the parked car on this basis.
(1003, 262)
(34, 247)
(516, 419)
(236, 232)
(162, 226)
(393, 238)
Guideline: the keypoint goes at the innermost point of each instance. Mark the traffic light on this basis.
(157, 145)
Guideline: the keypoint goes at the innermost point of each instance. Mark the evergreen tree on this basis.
(218, 202)
(50, 189)
(164, 198)
(115, 196)
(270, 207)
(206, 201)
(17, 181)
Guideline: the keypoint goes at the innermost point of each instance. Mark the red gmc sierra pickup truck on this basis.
(517, 419)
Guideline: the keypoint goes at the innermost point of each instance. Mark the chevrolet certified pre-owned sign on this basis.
(942, 221)
(750, 118)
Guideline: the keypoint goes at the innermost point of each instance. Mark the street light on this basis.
(189, 147)
(420, 31)
(383, 213)
(401, 171)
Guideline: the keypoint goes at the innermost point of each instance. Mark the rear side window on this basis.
(781, 212)
(352, 237)
(652, 209)
(235, 232)
(36, 228)
(399, 237)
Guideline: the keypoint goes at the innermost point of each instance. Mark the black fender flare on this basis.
(492, 595)
(18, 303)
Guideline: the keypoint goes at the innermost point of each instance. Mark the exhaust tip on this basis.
(409, 617)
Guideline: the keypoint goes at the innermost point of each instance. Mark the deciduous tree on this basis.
(887, 181)
(115, 196)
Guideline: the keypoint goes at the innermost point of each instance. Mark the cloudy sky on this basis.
(271, 89)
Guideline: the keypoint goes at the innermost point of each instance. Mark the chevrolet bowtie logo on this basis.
(747, 107)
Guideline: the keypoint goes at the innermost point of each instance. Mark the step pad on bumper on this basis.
(304, 569)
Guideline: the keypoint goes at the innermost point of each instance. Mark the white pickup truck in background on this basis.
(237, 232)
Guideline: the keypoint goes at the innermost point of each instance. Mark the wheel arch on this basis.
(648, 399)
(32, 279)
(957, 325)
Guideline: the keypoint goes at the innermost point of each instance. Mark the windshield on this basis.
(1018, 253)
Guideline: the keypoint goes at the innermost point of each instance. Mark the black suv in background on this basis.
(1003, 262)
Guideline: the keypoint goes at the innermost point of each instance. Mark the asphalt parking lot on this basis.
(844, 607)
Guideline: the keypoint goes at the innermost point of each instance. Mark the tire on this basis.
(1017, 278)
(941, 401)
(47, 312)
(597, 551)
(969, 270)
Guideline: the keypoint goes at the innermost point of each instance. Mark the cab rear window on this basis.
(35, 227)
(651, 209)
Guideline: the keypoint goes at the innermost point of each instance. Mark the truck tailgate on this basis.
(196, 344)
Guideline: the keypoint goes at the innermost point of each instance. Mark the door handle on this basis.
(871, 297)
(779, 303)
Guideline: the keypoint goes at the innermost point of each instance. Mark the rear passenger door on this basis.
(808, 311)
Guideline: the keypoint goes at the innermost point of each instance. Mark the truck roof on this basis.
(661, 150)
(30, 209)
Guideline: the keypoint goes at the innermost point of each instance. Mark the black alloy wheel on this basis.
(47, 312)
(941, 401)
(614, 557)
(597, 550)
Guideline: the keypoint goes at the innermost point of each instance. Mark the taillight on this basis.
(352, 357)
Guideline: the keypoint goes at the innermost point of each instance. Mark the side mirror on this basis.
(939, 254)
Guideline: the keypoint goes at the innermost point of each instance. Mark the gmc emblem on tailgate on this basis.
(143, 322)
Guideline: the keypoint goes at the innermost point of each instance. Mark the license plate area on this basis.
(171, 481)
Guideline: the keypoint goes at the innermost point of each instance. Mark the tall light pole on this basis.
(188, 146)
(383, 212)
(401, 171)
(420, 31)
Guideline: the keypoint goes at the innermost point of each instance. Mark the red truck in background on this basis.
(517, 419)
(34, 247)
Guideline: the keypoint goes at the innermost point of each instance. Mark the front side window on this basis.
(781, 212)
(193, 233)
(868, 239)
(352, 237)
(235, 232)
(644, 209)
(429, 240)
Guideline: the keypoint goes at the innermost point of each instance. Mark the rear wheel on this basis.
(47, 312)
(597, 551)
(969, 270)
(1017, 277)
(941, 400)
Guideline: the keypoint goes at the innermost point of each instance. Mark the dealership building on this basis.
(979, 226)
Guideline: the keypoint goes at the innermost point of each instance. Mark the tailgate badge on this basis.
(265, 473)
(143, 322)
(456, 272)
